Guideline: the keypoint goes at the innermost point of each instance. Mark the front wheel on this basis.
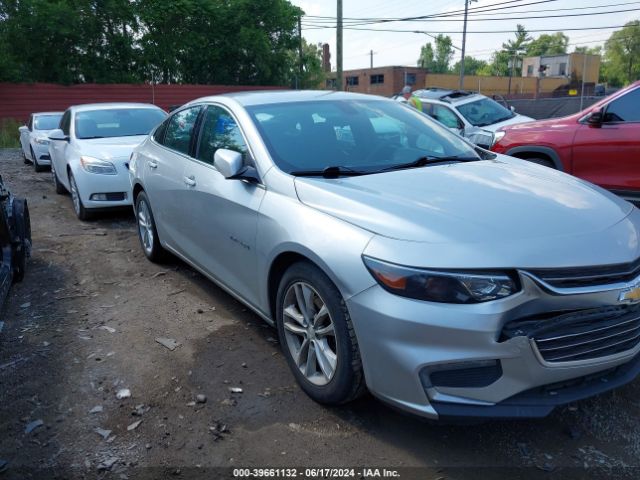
(56, 183)
(21, 233)
(147, 232)
(81, 212)
(36, 166)
(317, 336)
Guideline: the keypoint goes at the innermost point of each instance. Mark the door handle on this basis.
(152, 164)
(190, 181)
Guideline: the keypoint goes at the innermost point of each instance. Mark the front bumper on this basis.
(401, 338)
(42, 153)
(116, 187)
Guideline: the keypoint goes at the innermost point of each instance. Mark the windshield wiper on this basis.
(90, 138)
(423, 161)
(333, 171)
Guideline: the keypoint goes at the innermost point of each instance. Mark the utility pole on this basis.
(371, 63)
(339, 47)
(464, 40)
(300, 49)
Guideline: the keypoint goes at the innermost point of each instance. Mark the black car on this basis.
(15, 239)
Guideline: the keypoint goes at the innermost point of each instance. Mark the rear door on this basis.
(222, 216)
(163, 173)
(25, 131)
(609, 154)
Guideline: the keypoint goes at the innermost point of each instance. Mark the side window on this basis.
(158, 135)
(179, 129)
(65, 123)
(625, 108)
(30, 124)
(219, 130)
(445, 116)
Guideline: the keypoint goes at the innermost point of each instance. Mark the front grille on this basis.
(580, 335)
(588, 276)
(473, 374)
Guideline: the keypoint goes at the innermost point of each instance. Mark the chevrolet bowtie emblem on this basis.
(630, 295)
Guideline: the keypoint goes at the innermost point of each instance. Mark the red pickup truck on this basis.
(601, 144)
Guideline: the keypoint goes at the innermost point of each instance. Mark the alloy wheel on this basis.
(145, 226)
(75, 196)
(310, 333)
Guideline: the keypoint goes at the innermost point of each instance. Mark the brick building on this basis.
(384, 81)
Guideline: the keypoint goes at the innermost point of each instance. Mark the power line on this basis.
(431, 32)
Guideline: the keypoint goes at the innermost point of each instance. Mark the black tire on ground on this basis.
(25, 159)
(157, 254)
(21, 234)
(541, 161)
(347, 382)
(36, 166)
(81, 212)
(56, 183)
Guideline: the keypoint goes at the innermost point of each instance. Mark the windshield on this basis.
(484, 112)
(122, 122)
(46, 122)
(367, 135)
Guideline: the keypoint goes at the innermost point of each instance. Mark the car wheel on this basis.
(81, 212)
(56, 183)
(21, 233)
(147, 232)
(36, 166)
(317, 336)
(24, 158)
(541, 161)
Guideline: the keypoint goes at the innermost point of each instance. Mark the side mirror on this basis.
(596, 118)
(58, 134)
(512, 108)
(230, 164)
(23, 128)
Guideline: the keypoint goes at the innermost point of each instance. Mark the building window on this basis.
(331, 83)
(410, 78)
(562, 69)
(529, 70)
(353, 81)
(377, 79)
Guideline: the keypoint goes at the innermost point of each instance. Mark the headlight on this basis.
(41, 141)
(497, 136)
(95, 165)
(440, 286)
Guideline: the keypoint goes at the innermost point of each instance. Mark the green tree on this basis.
(438, 60)
(313, 76)
(515, 49)
(472, 66)
(545, 44)
(499, 64)
(426, 57)
(622, 55)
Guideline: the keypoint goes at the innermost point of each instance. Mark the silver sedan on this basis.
(392, 255)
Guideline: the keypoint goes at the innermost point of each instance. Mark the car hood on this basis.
(110, 148)
(568, 122)
(518, 119)
(505, 198)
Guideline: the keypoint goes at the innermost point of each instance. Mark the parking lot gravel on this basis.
(113, 367)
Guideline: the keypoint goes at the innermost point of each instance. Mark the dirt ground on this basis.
(83, 325)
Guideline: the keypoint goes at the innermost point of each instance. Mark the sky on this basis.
(392, 48)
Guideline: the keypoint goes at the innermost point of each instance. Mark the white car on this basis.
(91, 149)
(34, 138)
(470, 114)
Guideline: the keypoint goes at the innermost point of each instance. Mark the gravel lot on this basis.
(83, 325)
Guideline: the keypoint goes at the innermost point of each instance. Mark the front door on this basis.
(222, 214)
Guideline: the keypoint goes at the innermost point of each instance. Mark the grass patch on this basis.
(9, 135)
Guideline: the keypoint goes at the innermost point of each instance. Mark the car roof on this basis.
(446, 95)
(35, 114)
(263, 97)
(110, 106)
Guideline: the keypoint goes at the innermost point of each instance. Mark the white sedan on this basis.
(91, 149)
(34, 138)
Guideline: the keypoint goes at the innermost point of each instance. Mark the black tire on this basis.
(347, 382)
(81, 212)
(541, 161)
(25, 159)
(156, 253)
(56, 183)
(36, 166)
(21, 234)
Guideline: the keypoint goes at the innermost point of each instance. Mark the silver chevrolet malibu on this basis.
(393, 256)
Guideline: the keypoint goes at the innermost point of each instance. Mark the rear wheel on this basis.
(317, 336)
(147, 232)
(81, 212)
(21, 234)
(24, 157)
(56, 183)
